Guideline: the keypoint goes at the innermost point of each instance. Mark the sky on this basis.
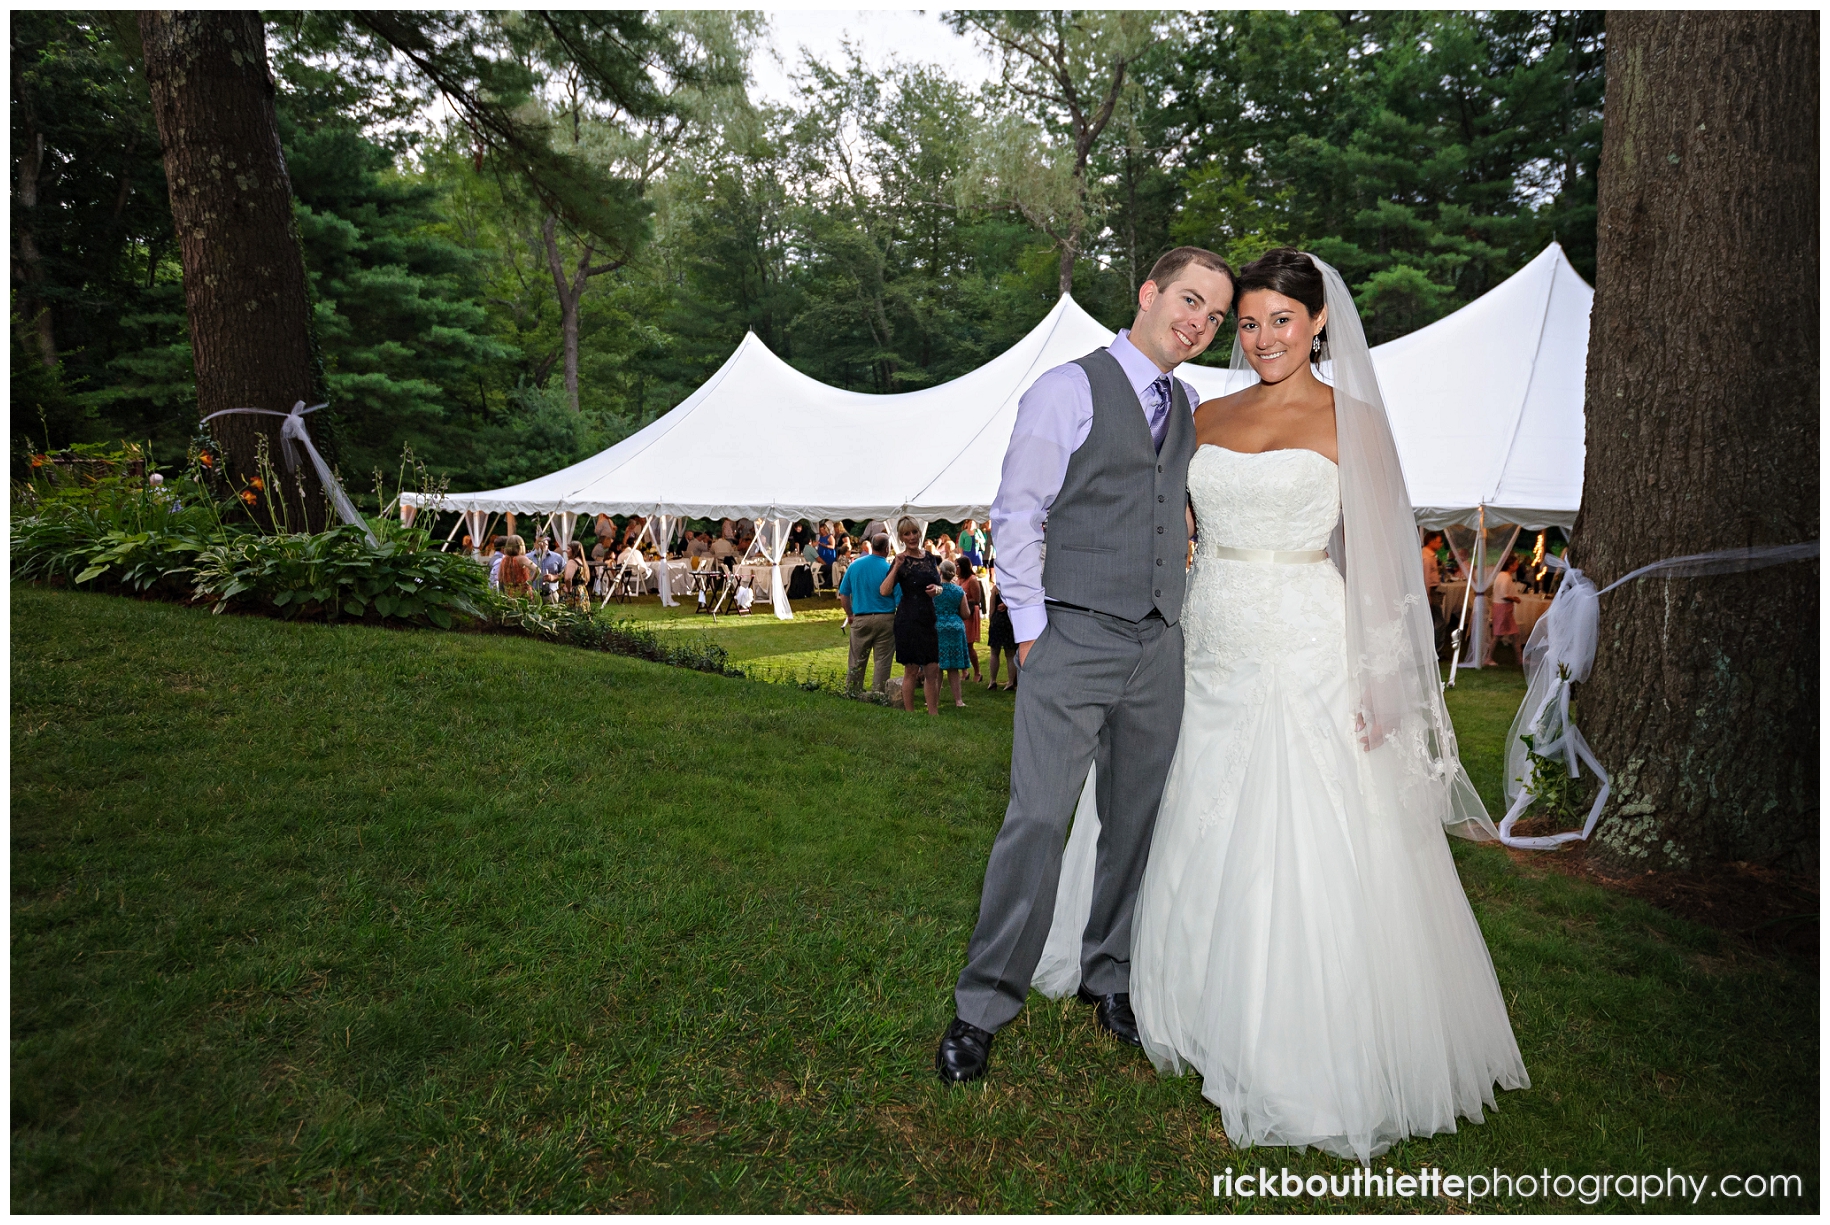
(914, 36)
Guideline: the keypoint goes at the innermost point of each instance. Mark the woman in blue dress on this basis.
(950, 612)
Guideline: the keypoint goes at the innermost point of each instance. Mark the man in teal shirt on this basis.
(870, 616)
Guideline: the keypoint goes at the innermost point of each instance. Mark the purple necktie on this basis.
(1159, 411)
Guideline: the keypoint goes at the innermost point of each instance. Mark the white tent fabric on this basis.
(1486, 406)
(762, 440)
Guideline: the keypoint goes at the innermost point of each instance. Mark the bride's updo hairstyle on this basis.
(1287, 271)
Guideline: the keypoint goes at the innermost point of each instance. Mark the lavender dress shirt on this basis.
(1053, 419)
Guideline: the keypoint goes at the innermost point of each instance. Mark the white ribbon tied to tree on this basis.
(1561, 652)
(292, 430)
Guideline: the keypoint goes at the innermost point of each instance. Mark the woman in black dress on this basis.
(917, 642)
(1001, 639)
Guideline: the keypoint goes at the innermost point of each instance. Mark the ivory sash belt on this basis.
(1268, 557)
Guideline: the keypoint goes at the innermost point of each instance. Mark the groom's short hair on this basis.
(1170, 263)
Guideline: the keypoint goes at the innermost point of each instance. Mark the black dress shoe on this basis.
(963, 1054)
(1113, 1012)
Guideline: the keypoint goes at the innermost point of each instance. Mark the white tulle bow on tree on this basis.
(293, 432)
(1561, 653)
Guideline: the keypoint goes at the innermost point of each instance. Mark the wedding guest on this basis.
(514, 573)
(870, 619)
(972, 543)
(575, 577)
(800, 578)
(944, 548)
(916, 573)
(697, 546)
(1500, 604)
(975, 606)
(632, 561)
(827, 550)
(603, 548)
(470, 548)
(491, 557)
(950, 628)
(799, 534)
(727, 529)
(1001, 639)
(724, 552)
(1432, 579)
(547, 563)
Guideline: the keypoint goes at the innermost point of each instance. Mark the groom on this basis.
(1100, 452)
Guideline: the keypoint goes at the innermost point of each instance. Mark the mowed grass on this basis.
(335, 918)
(811, 646)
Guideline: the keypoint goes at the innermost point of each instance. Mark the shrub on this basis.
(596, 632)
(113, 532)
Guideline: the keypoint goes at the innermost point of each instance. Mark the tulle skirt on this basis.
(1304, 948)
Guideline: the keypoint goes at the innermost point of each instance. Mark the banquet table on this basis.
(1526, 613)
(679, 579)
(761, 573)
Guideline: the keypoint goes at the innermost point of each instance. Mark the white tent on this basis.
(1486, 406)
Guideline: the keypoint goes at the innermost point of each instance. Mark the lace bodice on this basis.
(1269, 500)
(1238, 610)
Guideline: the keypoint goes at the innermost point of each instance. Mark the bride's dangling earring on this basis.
(1315, 347)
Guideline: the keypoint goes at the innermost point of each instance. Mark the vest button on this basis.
(1159, 467)
(1159, 591)
(1159, 561)
(1159, 529)
(1159, 497)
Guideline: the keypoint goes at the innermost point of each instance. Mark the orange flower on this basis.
(203, 457)
(37, 461)
(247, 495)
(255, 483)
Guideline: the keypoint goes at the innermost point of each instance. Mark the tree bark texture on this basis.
(570, 290)
(244, 271)
(1702, 407)
(28, 262)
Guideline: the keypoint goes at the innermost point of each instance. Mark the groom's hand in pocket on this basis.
(1023, 652)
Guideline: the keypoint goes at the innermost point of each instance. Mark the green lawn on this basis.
(338, 918)
(813, 645)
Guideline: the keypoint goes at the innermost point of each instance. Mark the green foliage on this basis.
(407, 346)
(1556, 795)
(862, 232)
(1426, 155)
(98, 311)
(337, 573)
(113, 532)
(598, 631)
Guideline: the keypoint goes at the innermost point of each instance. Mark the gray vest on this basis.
(1117, 537)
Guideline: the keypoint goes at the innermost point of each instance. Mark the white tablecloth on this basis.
(679, 581)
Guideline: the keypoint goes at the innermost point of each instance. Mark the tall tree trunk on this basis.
(570, 290)
(1702, 434)
(29, 271)
(244, 274)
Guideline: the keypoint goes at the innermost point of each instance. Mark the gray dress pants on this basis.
(1095, 685)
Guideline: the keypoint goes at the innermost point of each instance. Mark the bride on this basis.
(1301, 937)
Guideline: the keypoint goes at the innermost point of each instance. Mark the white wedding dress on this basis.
(1310, 954)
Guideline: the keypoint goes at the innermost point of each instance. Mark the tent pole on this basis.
(1477, 639)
